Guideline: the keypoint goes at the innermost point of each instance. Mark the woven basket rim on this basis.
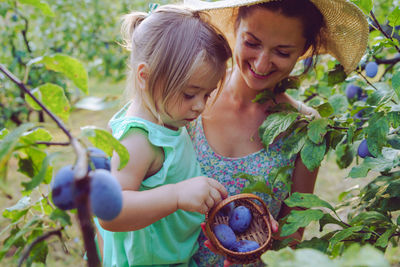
(261, 208)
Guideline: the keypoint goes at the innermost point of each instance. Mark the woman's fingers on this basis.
(274, 224)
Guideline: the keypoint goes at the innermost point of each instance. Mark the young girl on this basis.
(177, 60)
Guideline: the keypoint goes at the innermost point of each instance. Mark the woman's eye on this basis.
(187, 96)
(283, 54)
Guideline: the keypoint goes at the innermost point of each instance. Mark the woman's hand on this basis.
(227, 263)
(199, 194)
(308, 111)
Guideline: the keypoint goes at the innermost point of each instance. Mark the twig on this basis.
(382, 31)
(54, 143)
(37, 240)
(23, 87)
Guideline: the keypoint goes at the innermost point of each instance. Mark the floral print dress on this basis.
(224, 168)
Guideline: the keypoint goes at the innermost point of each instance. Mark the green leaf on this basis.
(9, 142)
(274, 125)
(61, 216)
(339, 104)
(369, 218)
(288, 257)
(15, 212)
(325, 109)
(365, 256)
(317, 130)
(294, 143)
(388, 159)
(343, 234)
(385, 237)
(337, 75)
(329, 219)
(381, 96)
(300, 218)
(36, 135)
(306, 200)
(394, 17)
(105, 141)
(40, 4)
(259, 186)
(364, 5)
(344, 155)
(312, 154)
(3, 133)
(264, 96)
(53, 98)
(39, 253)
(40, 176)
(377, 129)
(314, 243)
(396, 83)
(18, 235)
(70, 67)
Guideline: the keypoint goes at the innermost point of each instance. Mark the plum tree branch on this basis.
(382, 31)
(22, 86)
(41, 238)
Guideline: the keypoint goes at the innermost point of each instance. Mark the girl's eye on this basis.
(187, 96)
(250, 44)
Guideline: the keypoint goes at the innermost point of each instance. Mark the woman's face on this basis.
(268, 45)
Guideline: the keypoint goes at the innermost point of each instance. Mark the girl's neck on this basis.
(137, 109)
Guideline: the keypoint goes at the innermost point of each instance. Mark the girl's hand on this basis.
(227, 263)
(199, 194)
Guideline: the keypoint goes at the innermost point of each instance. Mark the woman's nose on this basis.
(263, 63)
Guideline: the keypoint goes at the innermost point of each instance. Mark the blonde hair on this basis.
(172, 41)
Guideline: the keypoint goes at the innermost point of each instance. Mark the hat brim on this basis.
(345, 36)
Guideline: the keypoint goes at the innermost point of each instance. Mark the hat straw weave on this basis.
(345, 36)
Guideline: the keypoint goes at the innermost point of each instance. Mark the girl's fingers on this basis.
(219, 187)
(216, 196)
(208, 245)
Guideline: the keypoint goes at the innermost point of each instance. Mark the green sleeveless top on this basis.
(171, 241)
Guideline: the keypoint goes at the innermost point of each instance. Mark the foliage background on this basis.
(88, 30)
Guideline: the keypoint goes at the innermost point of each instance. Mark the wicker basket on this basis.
(259, 229)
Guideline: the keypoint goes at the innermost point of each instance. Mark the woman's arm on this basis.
(300, 106)
(303, 181)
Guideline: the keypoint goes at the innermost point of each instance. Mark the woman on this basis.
(268, 39)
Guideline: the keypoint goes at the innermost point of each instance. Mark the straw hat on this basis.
(345, 36)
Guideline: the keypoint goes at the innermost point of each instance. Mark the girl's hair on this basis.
(173, 41)
(304, 10)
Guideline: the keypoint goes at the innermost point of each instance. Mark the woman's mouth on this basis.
(257, 74)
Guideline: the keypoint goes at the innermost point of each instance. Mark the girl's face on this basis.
(268, 45)
(192, 100)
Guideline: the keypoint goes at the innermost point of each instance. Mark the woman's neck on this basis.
(240, 92)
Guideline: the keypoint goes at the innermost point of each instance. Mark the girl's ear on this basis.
(142, 75)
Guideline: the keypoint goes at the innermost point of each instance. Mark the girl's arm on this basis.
(303, 181)
(142, 208)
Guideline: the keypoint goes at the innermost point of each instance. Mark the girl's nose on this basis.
(199, 105)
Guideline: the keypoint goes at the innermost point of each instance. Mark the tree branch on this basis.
(381, 30)
(41, 238)
(23, 87)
